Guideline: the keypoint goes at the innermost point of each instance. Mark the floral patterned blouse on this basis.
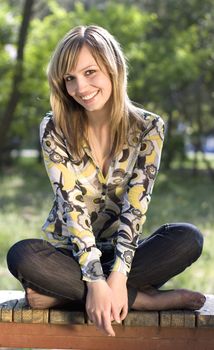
(91, 211)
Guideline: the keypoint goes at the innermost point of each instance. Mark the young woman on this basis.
(102, 156)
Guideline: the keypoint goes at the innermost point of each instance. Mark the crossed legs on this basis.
(51, 277)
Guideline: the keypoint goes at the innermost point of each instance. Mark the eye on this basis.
(68, 78)
(90, 72)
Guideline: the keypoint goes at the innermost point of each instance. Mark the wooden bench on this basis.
(22, 327)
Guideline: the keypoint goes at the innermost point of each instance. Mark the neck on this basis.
(99, 139)
(98, 126)
(99, 132)
(99, 119)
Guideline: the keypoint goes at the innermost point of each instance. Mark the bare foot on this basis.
(41, 301)
(165, 300)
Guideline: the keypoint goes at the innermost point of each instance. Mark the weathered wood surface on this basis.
(17, 311)
(66, 317)
(22, 327)
(143, 319)
(180, 318)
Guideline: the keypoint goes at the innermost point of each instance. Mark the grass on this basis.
(26, 198)
(182, 197)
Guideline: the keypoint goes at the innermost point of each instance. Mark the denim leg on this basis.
(163, 255)
(48, 270)
(166, 253)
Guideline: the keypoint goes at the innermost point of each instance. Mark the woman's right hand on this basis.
(99, 305)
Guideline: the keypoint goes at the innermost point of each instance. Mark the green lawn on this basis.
(26, 197)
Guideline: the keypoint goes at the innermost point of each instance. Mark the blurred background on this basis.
(170, 49)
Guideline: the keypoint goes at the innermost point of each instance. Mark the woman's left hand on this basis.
(117, 283)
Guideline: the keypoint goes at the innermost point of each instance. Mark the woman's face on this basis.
(89, 84)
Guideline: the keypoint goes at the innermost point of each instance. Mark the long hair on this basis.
(69, 116)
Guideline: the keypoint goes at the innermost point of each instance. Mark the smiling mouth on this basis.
(89, 97)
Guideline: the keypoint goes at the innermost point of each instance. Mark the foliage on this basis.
(168, 44)
(8, 24)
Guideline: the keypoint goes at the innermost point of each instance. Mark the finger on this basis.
(124, 312)
(98, 321)
(91, 316)
(106, 325)
(115, 312)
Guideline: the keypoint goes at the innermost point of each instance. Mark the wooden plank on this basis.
(66, 317)
(23, 313)
(27, 314)
(177, 318)
(142, 318)
(7, 310)
(40, 316)
(17, 312)
(205, 316)
(87, 338)
(189, 319)
(20, 312)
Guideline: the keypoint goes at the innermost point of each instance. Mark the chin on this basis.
(92, 109)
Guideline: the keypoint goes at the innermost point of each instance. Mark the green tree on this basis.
(14, 95)
(170, 51)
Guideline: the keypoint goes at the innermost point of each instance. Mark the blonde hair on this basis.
(69, 116)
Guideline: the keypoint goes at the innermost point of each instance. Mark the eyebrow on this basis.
(90, 66)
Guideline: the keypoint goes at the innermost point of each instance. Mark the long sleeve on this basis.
(70, 208)
(138, 195)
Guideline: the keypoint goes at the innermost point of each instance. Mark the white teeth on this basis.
(87, 97)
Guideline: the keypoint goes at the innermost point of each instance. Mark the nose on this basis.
(81, 84)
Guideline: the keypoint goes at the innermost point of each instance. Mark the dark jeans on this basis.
(53, 271)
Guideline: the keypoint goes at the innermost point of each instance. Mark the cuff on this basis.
(121, 266)
(91, 266)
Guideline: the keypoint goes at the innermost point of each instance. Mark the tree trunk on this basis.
(14, 96)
